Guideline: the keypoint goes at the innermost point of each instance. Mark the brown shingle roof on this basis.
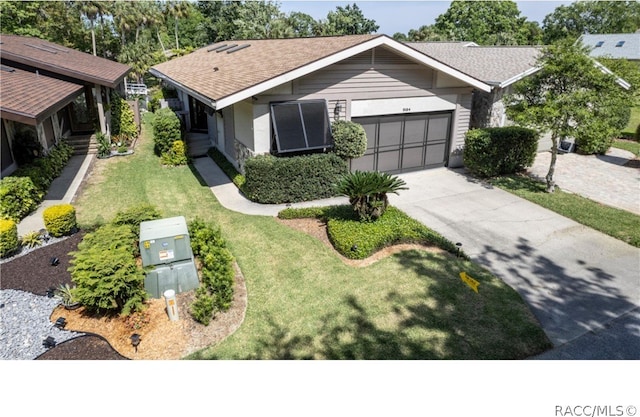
(491, 64)
(29, 98)
(58, 59)
(216, 75)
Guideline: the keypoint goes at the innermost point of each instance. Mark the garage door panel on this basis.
(412, 158)
(435, 155)
(390, 133)
(364, 163)
(405, 142)
(389, 161)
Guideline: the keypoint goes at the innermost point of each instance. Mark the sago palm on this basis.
(367, 192)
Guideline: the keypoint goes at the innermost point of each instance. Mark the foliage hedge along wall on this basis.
(500, 150)
(272, 180)
(21, 192)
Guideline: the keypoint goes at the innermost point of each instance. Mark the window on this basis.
(599, 44)
(301, 125)
(619, 44)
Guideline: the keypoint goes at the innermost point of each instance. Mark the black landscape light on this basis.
(459, 245)
(44, 235)
(51, 292)
(135, 340)
(60, 322)
(49, 342)
(54, 261)
(354, 248)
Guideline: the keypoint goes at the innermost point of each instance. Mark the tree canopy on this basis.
(592, 17)
(572, 97)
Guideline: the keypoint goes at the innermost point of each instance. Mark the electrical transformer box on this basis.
(166, 246)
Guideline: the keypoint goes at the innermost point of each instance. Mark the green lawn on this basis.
(305, 302)
(634, 121)
(633, 147)
(614, 222)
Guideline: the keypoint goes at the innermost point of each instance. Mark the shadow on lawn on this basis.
(446, 320)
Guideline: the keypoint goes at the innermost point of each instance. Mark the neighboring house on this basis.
(279, 96)
(49, 92)
(616, 45)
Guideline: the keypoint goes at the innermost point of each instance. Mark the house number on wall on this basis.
(406, 109)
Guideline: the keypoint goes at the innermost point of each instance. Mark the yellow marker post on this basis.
(472, 283)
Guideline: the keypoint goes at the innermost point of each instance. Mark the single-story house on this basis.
(613, 45)
(279, 96)
(51, 92)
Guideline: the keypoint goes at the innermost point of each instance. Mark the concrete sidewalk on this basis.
(62, 190)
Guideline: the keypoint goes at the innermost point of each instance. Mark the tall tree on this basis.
(178, 10)
(90, 10)
(486, 23)
(348, 20)
(570, 97)
(592, 17)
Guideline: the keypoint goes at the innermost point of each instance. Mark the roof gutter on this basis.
(206, 100)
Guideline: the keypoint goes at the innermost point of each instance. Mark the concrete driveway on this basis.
(577, 281)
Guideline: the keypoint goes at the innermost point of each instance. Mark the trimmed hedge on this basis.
(9, 241)
(21, 193)
(272, 180)
(359, 240)
(18, 197)
(60, 220)
(176, 155)
(499, 150)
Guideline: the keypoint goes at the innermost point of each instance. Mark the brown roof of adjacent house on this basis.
(217, 73)
(496, 65)
(29, 98)
(58, 59)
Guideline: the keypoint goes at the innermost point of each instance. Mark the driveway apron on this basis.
(576, 280)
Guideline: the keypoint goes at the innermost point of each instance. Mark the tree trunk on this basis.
(176, 30)
(551, 185)
(164, 51)
(93, 41)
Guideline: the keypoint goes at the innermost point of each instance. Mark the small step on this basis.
(82, 145)
(198, 144)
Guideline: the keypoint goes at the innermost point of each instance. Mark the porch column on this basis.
(97, 92)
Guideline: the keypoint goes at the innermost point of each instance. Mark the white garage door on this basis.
(405, 142)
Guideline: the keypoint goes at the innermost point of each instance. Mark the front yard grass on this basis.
(305, 302)
(614, 222)
(627, 145)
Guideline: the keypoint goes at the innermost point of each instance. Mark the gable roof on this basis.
(30, 98)
(220, 75)
(495, 65)
(629, 45)
(58, 59)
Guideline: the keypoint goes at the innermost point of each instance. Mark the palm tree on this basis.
(178, 9)
(91, 10)
(367, 192)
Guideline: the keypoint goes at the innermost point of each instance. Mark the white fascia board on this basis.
(518, 77)
(622, 83)
(342, 55)
(191, 92)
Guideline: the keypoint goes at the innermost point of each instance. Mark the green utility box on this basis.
(165, 246)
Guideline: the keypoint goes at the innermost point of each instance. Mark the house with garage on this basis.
(280, 96)
(51, 92)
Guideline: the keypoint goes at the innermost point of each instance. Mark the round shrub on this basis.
(18, 197)
(349, 139)
(177, 155)
(8, 237)
(60, 220)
